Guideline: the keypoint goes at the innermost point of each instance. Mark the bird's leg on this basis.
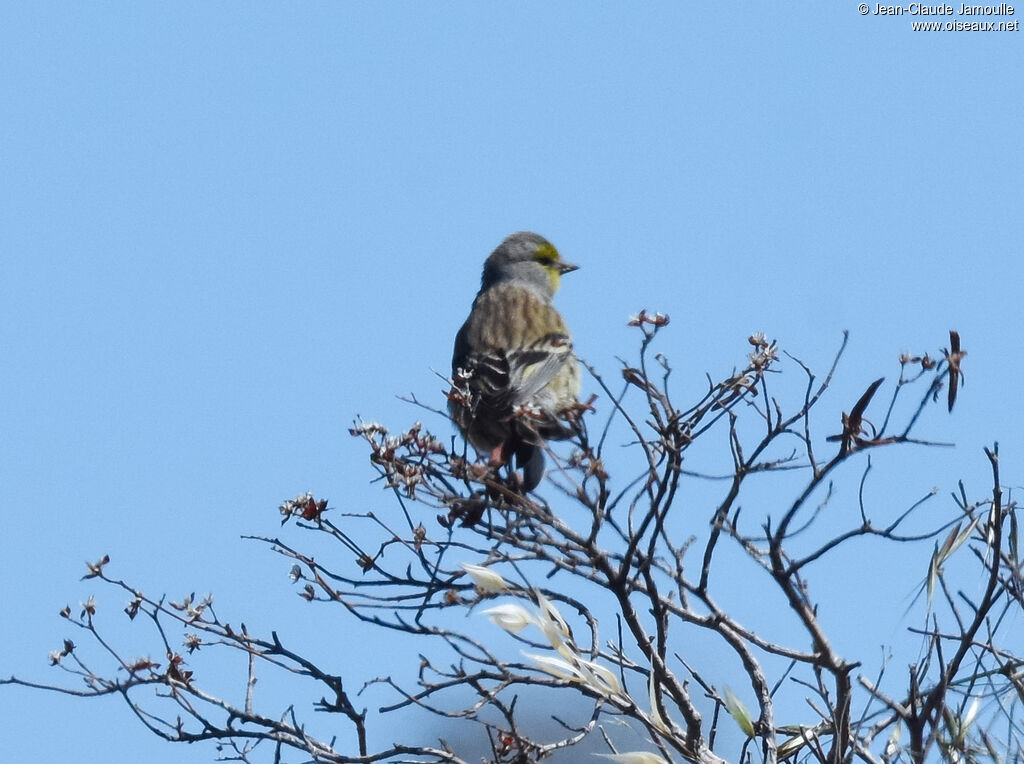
(498, 456)
(502, 457)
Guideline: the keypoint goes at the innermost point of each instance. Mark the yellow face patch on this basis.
(548, 256)
(546, 253)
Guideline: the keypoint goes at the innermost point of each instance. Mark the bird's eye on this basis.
(546, 255)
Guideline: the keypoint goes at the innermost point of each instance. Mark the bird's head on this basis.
(528, 257)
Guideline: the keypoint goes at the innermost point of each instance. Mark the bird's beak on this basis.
(564, 267)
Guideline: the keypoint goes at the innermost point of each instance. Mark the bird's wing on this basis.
(513, 345)
(531, 369)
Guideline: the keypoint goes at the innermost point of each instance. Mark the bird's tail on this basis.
(530, 459)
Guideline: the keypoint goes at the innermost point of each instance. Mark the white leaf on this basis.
(551, 623)
(486, 580)
(635, 757)
(556, 667)
(659, 720)
(599, 678)
(512, 618)
(739, 712)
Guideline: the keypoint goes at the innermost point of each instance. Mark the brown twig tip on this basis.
(643, 317)
(175, 672)
(305, 505)
(853, 423)
(953, 357)
(96, 568)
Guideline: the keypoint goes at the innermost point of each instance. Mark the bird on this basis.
(516, 379)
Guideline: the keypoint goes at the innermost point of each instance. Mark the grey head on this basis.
(529, 259)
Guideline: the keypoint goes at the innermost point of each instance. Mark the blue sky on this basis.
(229, 230)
